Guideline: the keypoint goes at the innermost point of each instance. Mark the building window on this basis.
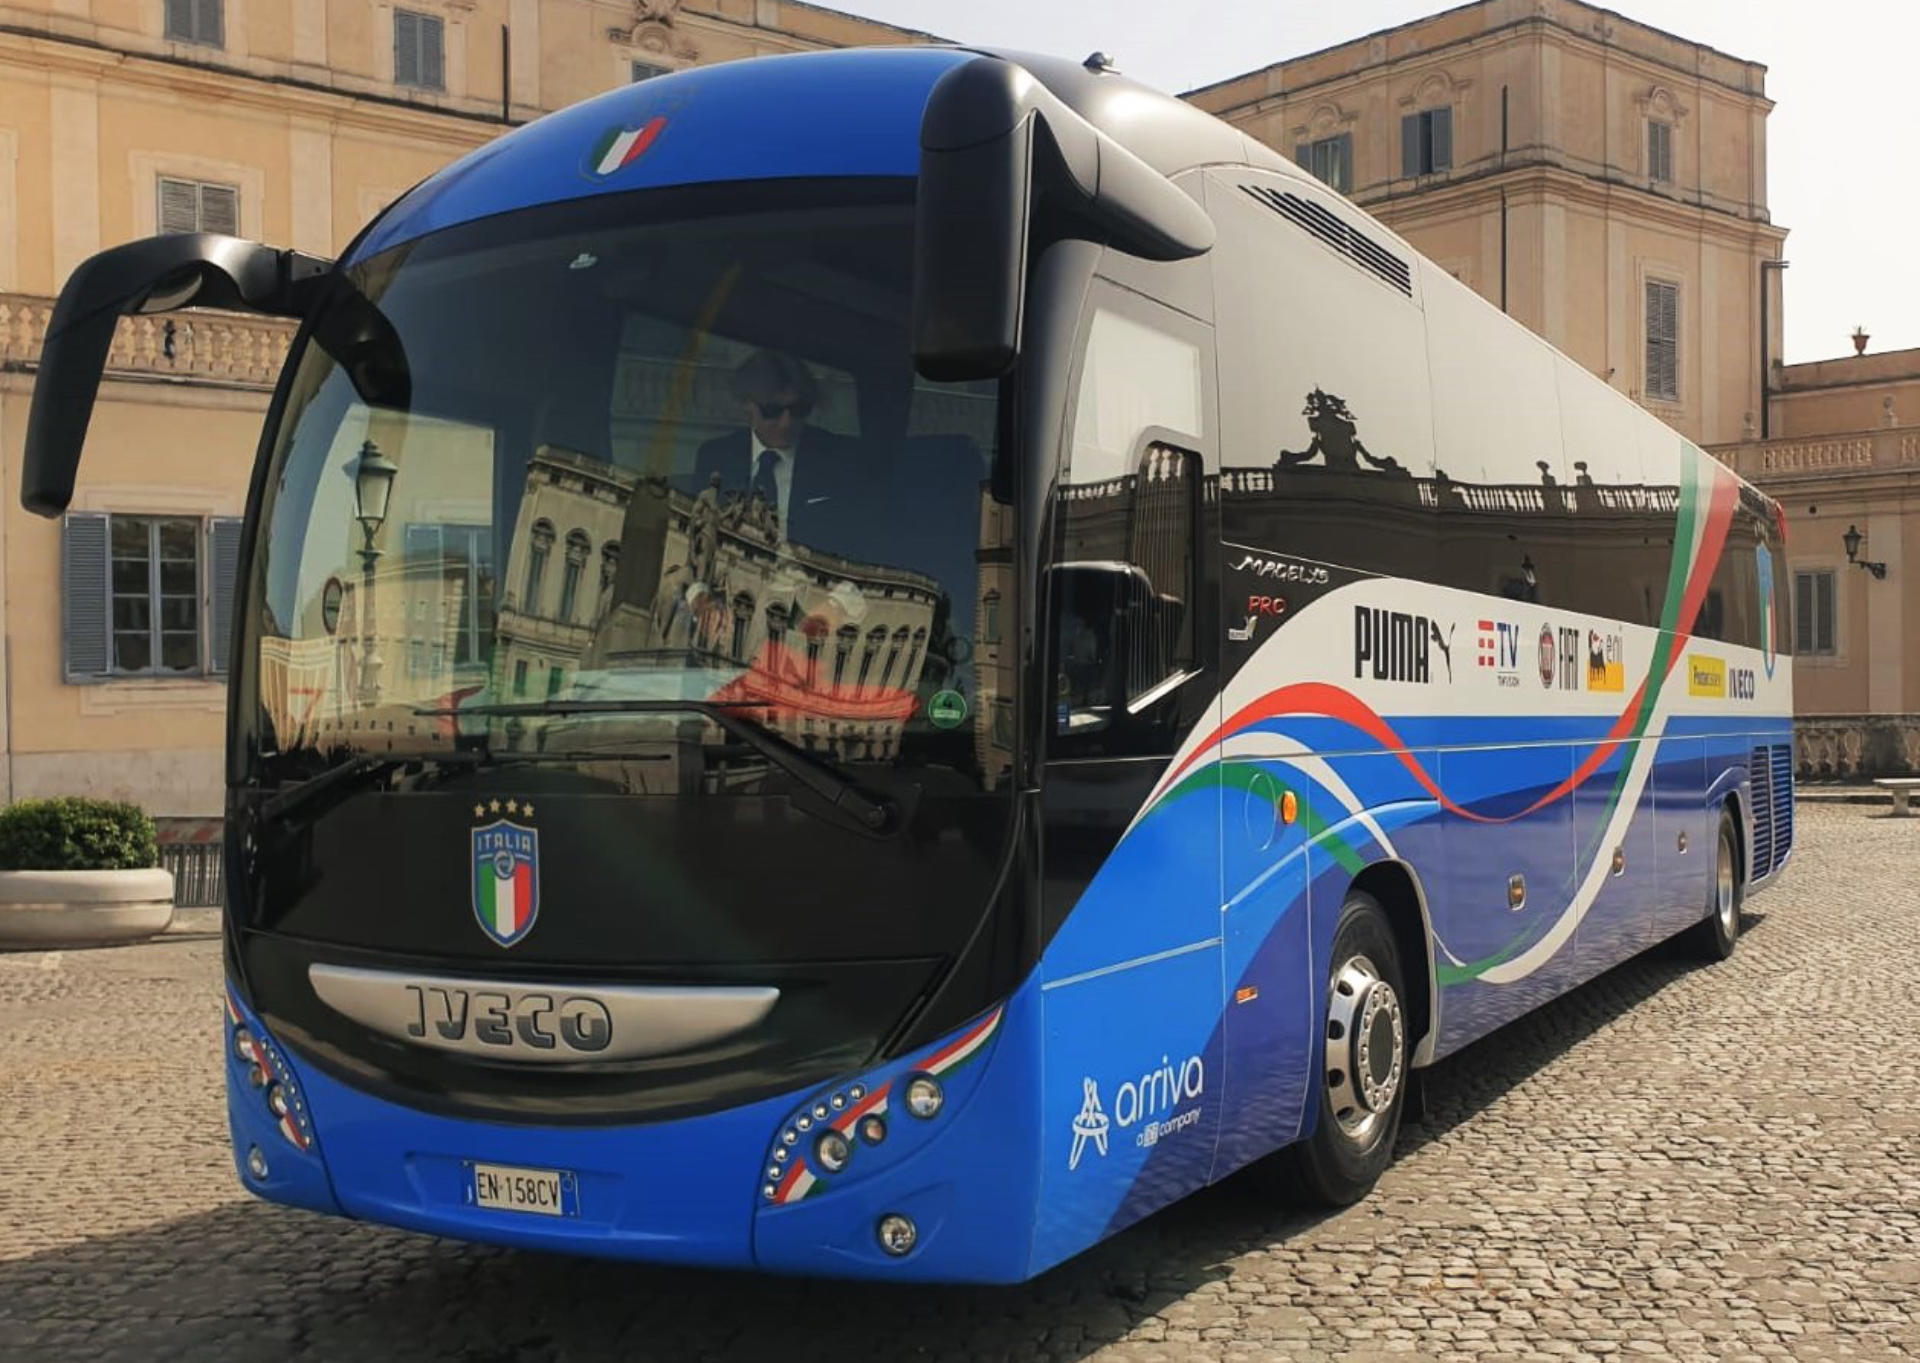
(1329, 160)
(196, 21)
(419, 58)
(876, 637)
(844, 640)
(1426, 142)
(542, 543)
(146, 596)
(1659, 152)
(555, 680)
(579, 549)
(190, 206)
(648, 70)
(520, 678)
(990, 619)
(1663, 340)
(742, 623)
(449, 571)
(1813, 613)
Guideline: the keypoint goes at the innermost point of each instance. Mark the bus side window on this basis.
(1123, 590)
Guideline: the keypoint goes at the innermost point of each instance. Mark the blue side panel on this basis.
(1619, 921)
(1131, 1099)
(1680, 797)
(811, 114)
(1266, 1030)
(1469, 895)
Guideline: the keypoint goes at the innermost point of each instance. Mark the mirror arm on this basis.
(156, 274)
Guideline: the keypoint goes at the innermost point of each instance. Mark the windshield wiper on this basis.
(873, 813)
(290, 799)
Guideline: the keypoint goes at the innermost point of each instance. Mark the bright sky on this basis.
(1840, 147)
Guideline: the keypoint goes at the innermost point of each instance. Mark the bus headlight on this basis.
(277, 1100)
(243, 1045)
(832, 1151)
(924, 1098)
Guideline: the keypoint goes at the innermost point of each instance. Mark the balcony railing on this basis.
(1758, 461)
(231, 350)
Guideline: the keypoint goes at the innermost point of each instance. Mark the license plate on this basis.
(511, 1188)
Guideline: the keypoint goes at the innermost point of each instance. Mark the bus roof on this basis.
(853, 111)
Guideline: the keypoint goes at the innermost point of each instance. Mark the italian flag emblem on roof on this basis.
(619, 147)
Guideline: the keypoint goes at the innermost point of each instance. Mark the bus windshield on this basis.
(540, 475)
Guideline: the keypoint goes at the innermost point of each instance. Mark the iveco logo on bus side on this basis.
(1391, 645)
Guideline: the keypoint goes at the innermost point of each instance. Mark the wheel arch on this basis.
(1396, 886)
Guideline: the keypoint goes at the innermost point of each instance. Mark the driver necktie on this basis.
(765, 483)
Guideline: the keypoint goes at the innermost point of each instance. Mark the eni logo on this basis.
(1706, 676)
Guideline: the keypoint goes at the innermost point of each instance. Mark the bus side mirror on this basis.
(994, 142)
(157, 274)
(1105, 633)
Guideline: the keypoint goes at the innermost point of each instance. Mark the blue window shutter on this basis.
(1410, 145)
(85, 601)
(223, 568)
(1442, 138)
(1303, 156)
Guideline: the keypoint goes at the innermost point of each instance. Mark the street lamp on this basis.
(372, 490)
(1852, 541)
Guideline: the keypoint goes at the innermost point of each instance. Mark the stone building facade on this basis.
(1844, 459)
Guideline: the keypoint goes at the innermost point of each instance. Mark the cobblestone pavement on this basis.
(1673, 1162)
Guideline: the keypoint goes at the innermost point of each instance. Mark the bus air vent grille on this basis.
(1782, 802)
(1361, 249)
(1760, 774)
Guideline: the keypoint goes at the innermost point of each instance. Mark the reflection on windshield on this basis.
(680, 461)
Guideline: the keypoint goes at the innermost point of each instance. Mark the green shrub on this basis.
(72, 834)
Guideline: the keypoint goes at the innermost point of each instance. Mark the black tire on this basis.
(1715, 936)
(1359, 1112)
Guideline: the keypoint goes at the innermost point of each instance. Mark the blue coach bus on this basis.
(878, 663)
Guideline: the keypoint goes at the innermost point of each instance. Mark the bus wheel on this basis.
(1364, 1078)
(1714, 936)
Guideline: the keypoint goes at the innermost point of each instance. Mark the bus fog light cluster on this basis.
(832, 1151)
(924, 1099)
(897, 1234)
(268, 1072)
(873, 1130)
(256, 1163)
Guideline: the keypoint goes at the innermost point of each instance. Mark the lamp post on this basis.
(1852, 542)
(372, 489)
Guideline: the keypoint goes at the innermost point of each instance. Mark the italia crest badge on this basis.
(506, 872)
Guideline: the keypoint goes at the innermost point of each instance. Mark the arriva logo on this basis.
(1151, 1103)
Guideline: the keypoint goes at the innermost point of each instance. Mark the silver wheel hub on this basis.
(1366, 1048)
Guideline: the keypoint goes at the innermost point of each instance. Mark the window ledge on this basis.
(127, 695)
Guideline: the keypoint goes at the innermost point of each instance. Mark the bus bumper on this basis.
(694, 1191)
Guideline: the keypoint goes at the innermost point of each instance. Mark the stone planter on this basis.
(41, 910)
